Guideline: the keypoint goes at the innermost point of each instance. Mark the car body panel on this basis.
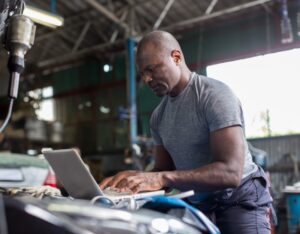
(17, 170)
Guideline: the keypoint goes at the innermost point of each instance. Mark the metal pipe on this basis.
(81, 36)
(78, 54)
(163, 14)
(132, 91)
(53, 6)
(107, 13)
(211, 7)
(116, 32)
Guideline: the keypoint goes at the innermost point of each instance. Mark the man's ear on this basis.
(176, 55)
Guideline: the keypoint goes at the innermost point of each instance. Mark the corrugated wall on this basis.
(278, 149)
(87, 102)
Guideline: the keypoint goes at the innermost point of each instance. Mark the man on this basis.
(198, 129)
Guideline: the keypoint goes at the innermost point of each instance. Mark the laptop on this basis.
(78, 181)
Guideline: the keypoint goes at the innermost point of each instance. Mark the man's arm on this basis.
(163, 162)
(228, 150)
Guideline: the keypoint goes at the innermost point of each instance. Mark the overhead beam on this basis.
(67, 39)
(69, 25)
(78, 54)
(163, 14)
(203, 18)
(211, 7)
(107, 13)
(116, 32)
(138, 4)
(81, 53)
(81, 36)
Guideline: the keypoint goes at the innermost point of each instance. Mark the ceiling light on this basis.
(43, 17)
(107, 68)
(104, 110)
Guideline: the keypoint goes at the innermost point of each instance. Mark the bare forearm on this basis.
(214, 176)
(156, 169)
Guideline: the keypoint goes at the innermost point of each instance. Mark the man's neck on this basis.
(183, 82)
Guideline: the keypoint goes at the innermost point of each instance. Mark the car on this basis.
(65, 216)
(20, 170)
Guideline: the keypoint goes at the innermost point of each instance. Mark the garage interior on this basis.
(83, 75)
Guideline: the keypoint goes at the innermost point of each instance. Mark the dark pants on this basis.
(245, 209)
(241, 220)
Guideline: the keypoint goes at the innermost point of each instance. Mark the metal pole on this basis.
(53, 6)
(132, 91)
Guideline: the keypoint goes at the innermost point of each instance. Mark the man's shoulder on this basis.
(159, 109)
(204, 88)
(201, 80)
(208, 87)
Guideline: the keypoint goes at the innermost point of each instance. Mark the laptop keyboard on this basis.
(113, 192)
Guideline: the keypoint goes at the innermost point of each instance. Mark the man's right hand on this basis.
(114, 180)
(136, 181)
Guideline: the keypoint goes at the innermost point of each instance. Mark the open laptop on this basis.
(77, 179)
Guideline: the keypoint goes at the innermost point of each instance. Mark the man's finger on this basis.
(105, 182)
(139, 188)
(119, 177)
(128, 183)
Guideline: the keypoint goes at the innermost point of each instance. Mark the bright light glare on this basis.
(43, 17)
(47, 92)
(107, 68)
(46, 110)
(104, 110)
(270, 82)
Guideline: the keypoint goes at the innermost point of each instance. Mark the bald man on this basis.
(198, 129)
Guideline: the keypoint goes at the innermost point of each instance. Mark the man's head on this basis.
(160, 63)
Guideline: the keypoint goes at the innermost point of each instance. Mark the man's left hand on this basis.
(140, 181)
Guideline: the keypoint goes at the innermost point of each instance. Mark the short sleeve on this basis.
(223, 109)
(154, 129)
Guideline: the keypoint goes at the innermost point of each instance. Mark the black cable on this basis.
(8, 115)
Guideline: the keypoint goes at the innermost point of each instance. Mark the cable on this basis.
(8, 115)
(102, 200)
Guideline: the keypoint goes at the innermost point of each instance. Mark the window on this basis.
(268, 87)
(41, 101)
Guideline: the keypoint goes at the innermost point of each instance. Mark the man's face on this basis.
(158, 70)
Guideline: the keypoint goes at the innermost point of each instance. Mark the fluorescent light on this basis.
(43, 17)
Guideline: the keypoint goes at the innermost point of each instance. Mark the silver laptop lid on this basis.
(72, 173)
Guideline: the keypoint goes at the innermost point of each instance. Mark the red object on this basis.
(51, 179)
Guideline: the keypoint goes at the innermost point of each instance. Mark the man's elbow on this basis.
(235, 179)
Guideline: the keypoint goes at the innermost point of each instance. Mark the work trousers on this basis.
(245, 209)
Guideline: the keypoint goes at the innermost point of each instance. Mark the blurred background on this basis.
(80, 87)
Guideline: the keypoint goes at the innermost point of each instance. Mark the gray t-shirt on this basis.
(182, 124)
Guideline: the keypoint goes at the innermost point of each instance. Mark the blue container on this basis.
(293, 212)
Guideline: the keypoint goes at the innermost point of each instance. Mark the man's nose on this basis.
(147, 78)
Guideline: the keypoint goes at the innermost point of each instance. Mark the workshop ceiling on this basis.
(95, 28)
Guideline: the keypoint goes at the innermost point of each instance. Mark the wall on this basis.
(87, 102)
(279, 162)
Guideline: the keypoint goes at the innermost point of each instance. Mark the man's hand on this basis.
(135, 181)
